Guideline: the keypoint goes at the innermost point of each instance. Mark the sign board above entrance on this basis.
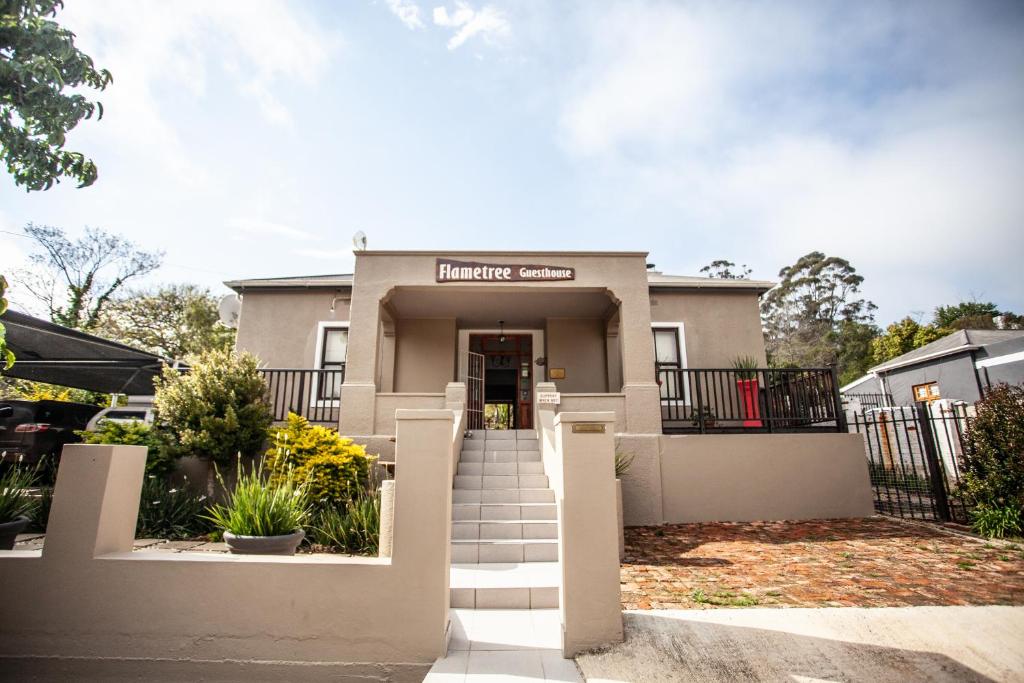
(449, 270)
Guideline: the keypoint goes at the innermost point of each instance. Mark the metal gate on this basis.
(914, 457)
(475, 391)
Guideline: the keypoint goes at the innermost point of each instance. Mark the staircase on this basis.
(504, 525)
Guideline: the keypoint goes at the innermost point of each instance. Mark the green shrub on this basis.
(41, 510)
(216, 411)
(159, 461)
(15, 499)
(331, 468)
(992, 473)
(997, 522)
(354, 529)
(258, 507)
(169, 512)
(623, 461)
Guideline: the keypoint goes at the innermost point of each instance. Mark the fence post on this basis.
(766, 383)
(935, 474)
(837, 400)
(700, 400)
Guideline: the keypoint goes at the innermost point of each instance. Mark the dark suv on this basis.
(31, 429)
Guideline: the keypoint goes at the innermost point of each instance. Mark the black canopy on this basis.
(47, 352)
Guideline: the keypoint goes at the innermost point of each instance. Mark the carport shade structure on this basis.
(51, 353)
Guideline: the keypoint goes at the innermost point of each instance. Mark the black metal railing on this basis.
(714, 401)
(312, 393)
(869, 400)
(914, 456)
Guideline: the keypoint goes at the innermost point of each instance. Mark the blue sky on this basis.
(254, 138)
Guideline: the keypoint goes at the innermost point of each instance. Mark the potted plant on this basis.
(16, 505)
(747, 385)
(703, 415)
(259, 517)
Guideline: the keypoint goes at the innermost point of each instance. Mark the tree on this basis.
(804, 314)
(966, 315)
(6, 355)
(173, 321)
(854, 349)
(76, 280)
(723, 269)
(216, 411)
(38, 62)
(901, 337)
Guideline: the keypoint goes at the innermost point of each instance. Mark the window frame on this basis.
(680, 330)
(322, 328)
(930, 385)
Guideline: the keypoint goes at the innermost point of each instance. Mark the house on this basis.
(960, 366)
(586, 331)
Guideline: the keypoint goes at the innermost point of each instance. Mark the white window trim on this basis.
(681, 338)
(321, 328)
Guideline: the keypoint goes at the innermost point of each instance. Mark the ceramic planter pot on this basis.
(264, 545)
(9, 532)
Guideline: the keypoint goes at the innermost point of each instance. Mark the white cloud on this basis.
(887, 135)
(489, 23)
(251, 226)
(163, 54)
(408, 13)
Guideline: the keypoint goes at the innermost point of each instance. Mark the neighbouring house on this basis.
(960, 366)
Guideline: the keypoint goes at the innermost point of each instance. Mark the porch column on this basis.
(643, 400)
(359, 392)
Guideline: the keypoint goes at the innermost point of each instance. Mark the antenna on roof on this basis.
(359, 241)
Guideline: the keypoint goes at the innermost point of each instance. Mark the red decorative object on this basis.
(751, 405)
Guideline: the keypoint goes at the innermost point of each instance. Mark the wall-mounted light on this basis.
(334, 301)
(501, 331)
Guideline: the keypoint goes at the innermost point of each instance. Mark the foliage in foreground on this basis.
(330, 468)
(170, 512)
(6, 355)
(992, 472)
(41, 98)
(134, 433)
(354, 529)
(216, 411)
(257, 507)
(15, 500)
(997, 522)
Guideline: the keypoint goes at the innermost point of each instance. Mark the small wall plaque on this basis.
(588, 428)
(556, 373)
(549, 398)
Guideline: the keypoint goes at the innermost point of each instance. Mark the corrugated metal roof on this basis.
(957, 342)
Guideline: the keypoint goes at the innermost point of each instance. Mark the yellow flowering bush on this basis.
(331, 468)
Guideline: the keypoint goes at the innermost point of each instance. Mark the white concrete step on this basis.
(470, 529)
(521, 585)
(495, 496)
(499, 456)
(511, 481)
(495, 511)
(485, 551)
(501, 468)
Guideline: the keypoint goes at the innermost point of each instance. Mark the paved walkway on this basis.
(504, 645)
(847, 644)
(875, 562)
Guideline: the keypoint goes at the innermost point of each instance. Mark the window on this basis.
(331, 349)
(927, 392)
(670, 354)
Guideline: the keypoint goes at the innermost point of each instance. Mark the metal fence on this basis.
(312, 393)
(914, 455)
(708, 401)
(862, 401)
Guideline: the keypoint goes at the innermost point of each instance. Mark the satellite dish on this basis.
(228, 308)
(359, 241)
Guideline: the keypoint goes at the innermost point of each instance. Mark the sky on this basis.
(253, 139)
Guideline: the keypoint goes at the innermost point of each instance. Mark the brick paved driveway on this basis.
(873, 562)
